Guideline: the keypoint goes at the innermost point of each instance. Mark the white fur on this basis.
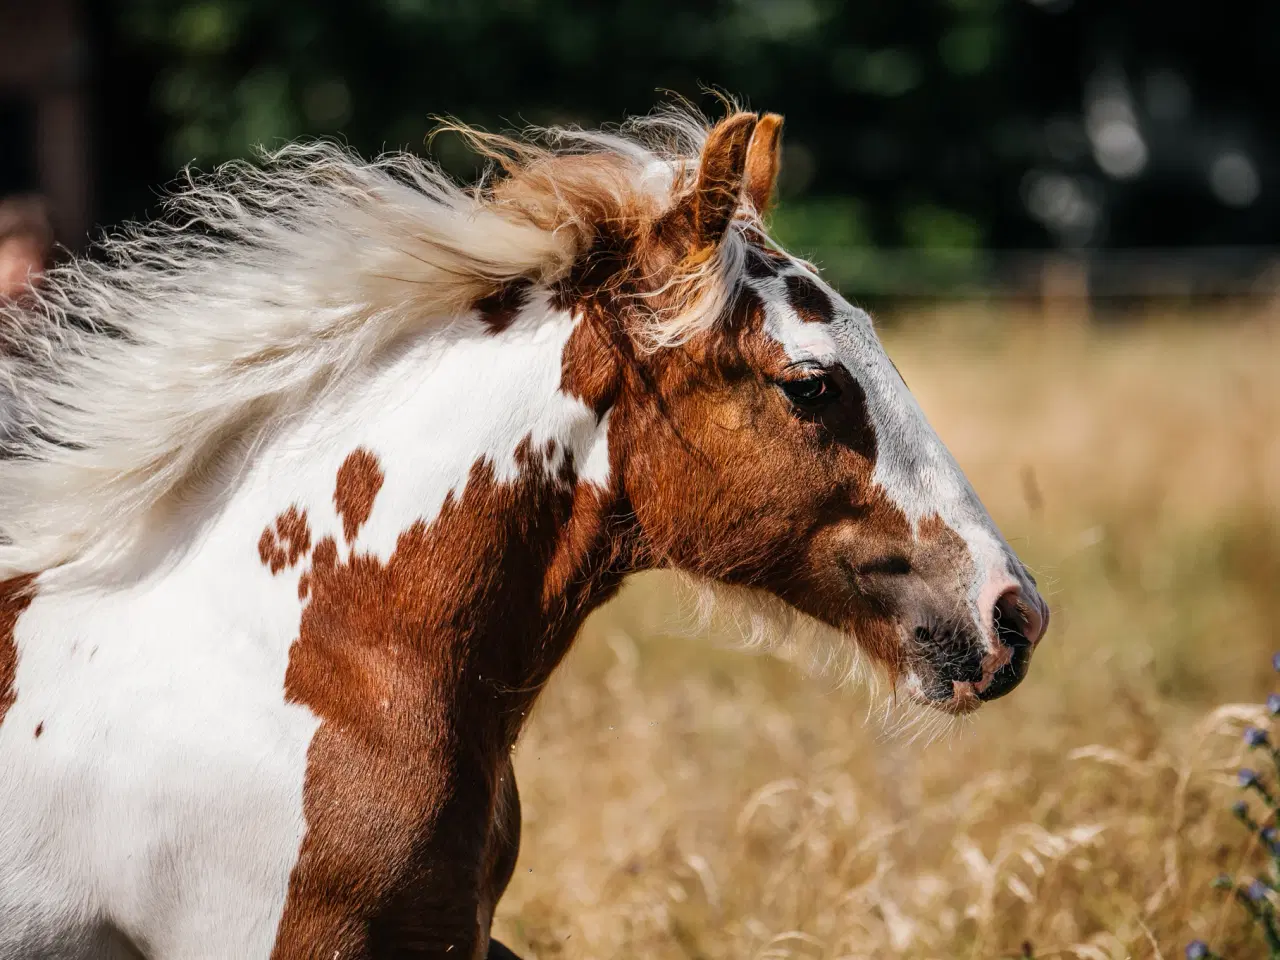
(278, 281)
(161, 804)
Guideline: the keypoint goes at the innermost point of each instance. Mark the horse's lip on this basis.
(1008, 676)
(964, 700)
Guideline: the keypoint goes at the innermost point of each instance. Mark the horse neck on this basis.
(436, 535)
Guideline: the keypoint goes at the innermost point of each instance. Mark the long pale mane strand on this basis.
(128, 374)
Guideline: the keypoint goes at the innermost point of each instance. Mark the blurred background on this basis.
(1066, 216)
(932, 148)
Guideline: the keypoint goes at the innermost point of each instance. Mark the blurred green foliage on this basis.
(233, 74)
(916, 123)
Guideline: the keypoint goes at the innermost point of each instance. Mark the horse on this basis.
(312, 481)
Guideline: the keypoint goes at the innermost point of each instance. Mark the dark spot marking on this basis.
(759, 266)
(500, 309)
(808, 299)
(359, 480)
(15, 596)
(847, 422)
(284, 544)
(39, 729)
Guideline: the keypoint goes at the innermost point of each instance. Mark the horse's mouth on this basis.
(956, 672)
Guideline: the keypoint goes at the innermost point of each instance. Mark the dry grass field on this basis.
(686, 800)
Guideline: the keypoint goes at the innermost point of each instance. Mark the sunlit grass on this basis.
(686, 800)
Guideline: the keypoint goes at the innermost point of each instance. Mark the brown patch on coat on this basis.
(948, 544)
(413, 669)
(499, 309)
(422, 668)
(16, 595)
(359, 480)
(283, 544)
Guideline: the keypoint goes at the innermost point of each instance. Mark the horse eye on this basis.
(810, 392)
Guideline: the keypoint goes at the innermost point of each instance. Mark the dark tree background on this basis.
(946, 125)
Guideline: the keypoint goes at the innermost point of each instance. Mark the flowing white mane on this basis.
(131, 372)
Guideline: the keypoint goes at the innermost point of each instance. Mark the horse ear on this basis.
(763, 157)
(721, 173)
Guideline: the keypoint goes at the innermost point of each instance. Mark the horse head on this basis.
(764, 439)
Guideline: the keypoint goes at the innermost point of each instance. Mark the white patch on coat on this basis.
(289, 274)
(163, 801)
(488, 395)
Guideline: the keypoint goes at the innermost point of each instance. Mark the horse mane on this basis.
(128, 374)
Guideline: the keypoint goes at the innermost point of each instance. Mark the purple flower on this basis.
(1275, 662)
(1268, 834)
(1247, 777)
(1256, 891)
(1255, 737)
(1273, 703)
(1240, 808)
(1197, 950)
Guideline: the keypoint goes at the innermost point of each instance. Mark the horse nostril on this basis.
(1019, 620)
(1018, 627)
(1008, 622)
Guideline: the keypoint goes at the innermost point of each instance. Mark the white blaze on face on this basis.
(914, 469)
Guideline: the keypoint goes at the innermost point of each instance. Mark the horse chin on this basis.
(962, 700)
